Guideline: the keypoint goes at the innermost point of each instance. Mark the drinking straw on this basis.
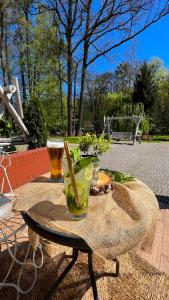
(72, 175)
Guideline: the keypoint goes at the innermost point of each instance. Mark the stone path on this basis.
(148, 162)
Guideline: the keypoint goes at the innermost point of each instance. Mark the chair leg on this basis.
(63, 275)
(117, 266)
(92, 276)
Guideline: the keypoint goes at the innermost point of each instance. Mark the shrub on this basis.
(85, 142)
(35, 122)
(100, 145)
(5, 128)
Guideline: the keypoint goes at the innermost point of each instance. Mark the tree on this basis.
(48, 63)
(94, 29)
(145, 88)
(97, 102)
(161, 108)
(35, 122)
(123, 77)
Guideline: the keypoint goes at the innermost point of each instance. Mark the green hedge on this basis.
(160, 137)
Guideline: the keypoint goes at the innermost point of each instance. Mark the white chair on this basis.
(12, 226)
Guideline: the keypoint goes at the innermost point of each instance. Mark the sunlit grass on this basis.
(70, 139)
(75, 139)
(160, 137)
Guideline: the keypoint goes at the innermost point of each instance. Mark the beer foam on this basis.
(53, 144)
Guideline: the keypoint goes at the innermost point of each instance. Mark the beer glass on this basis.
(55, 151)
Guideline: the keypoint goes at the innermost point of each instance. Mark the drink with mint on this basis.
(83, 176)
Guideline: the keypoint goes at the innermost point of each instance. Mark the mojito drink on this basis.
(83, 181)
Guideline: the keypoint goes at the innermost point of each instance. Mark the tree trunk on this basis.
(22, 71)
(7, 67)
(81, 99)
(74, 101)
(3, 56)
(27, 49)
(84, 68)
(70, 68)
(61, 94)
(69, 96)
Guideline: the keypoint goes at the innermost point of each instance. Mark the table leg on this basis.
(62, 276)
(74, 257)
(92, 276)
(117, 266)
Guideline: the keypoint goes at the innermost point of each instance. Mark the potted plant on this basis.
(100, 145)
(97, 146)
(85, 143)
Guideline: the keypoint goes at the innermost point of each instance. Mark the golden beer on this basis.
(55, 151)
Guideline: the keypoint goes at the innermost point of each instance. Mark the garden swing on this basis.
(119, 135)
(6, 94)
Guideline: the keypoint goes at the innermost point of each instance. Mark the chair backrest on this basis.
(6, 200)
(4, 165)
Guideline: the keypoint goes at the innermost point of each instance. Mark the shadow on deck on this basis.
(163, 201)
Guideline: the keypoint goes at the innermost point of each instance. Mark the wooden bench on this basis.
(122, 136)
(147, 137)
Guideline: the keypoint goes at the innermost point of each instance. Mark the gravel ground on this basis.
(148, 162)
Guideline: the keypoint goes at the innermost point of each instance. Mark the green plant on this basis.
(119, 176)
(75, 154)
(144, 126)
(5, 128)
(100, 145)
(36, 124)
(85, 142)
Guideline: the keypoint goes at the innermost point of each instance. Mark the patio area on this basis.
(149, 163)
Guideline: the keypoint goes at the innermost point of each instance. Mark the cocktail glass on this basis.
(83, 178)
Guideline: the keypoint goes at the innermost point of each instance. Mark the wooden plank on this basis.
(166, 215)
(165, 241)
(162, 215)
(154, 257)
(164, 264)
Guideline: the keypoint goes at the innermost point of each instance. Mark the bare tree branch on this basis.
(125, 39)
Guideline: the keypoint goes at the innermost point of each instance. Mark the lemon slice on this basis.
(88, 174)
(103, 179)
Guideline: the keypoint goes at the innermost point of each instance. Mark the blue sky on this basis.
(153, 42)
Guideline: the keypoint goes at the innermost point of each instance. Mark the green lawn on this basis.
(159, 137)
(70, 139)
(75, 139)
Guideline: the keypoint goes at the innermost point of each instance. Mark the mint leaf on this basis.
(83, 163)
(119, 176)
(75, 154)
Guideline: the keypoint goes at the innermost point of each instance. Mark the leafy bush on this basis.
(144, 126)
(35, 122)
(5, 128)
(85, 142)
(100, 145)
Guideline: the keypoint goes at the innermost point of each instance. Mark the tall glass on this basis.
(83, 183)
(55, 151)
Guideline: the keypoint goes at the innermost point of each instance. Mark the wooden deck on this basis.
(159, 256)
